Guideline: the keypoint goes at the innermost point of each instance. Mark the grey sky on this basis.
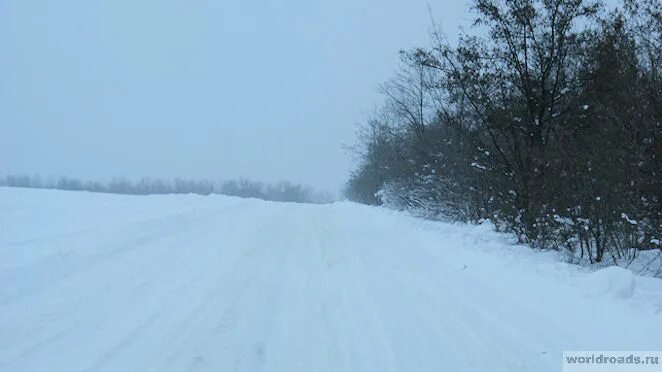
(264, 89)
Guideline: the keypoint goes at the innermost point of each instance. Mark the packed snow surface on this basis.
(94, 282)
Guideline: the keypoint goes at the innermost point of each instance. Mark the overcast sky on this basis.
(219, 89)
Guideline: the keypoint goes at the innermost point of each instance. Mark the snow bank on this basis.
(98, 282)
(612, 281)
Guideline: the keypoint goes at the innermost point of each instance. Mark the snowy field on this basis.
(98, 282)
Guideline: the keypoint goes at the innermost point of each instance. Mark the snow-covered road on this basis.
(93, 282)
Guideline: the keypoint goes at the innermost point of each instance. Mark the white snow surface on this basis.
(612, 280)
(97, 282)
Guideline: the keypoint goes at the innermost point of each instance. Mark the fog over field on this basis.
(266, 90)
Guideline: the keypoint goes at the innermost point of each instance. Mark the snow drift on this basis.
(95, 282)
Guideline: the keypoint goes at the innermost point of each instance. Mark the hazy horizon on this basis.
(268, 91)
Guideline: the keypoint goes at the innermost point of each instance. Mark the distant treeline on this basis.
(547, 121)
(283, 191)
